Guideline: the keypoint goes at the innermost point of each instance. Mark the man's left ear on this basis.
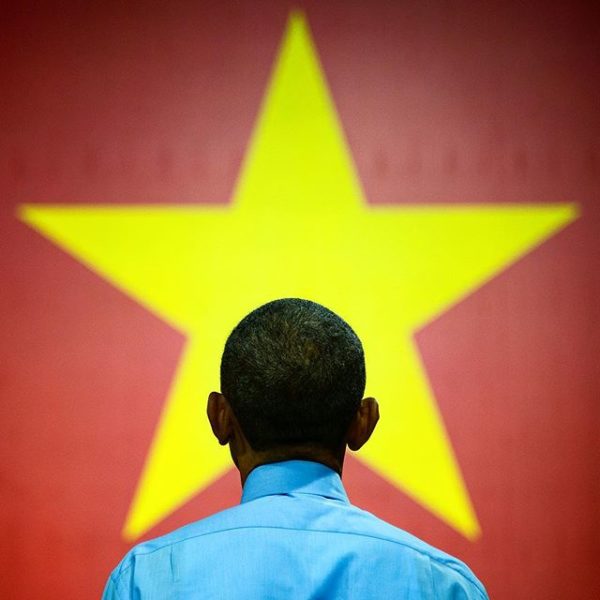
(219, 415)
(363, 424)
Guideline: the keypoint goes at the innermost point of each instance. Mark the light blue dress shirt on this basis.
(294, 536)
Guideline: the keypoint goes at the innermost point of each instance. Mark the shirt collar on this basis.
(294, 477)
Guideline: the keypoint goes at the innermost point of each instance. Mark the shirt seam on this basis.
(432, 580)
(292, 493)
(473, 583)
(366, 535)
(116, 584)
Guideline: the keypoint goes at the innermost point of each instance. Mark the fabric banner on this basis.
(430, 171)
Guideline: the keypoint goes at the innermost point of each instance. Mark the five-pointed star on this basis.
(299, 226)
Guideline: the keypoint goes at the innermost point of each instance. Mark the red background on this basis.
(442, 102)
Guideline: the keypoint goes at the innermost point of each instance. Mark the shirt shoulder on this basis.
(451, 577)
(225, 520)
(155, 555)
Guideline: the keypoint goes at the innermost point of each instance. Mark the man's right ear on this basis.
(219, 416)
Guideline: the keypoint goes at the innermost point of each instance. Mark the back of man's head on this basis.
(294, 374)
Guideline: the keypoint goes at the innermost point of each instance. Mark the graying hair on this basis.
(294, 373)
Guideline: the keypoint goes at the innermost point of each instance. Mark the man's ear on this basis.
(363, 424)
(219, 416)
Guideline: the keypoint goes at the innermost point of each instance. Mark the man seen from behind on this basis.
(291, 402)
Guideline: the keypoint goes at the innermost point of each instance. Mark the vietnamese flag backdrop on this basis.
(441, 103)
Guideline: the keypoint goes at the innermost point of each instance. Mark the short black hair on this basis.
(294, 374)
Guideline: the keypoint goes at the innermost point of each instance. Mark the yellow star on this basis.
(299, 225)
